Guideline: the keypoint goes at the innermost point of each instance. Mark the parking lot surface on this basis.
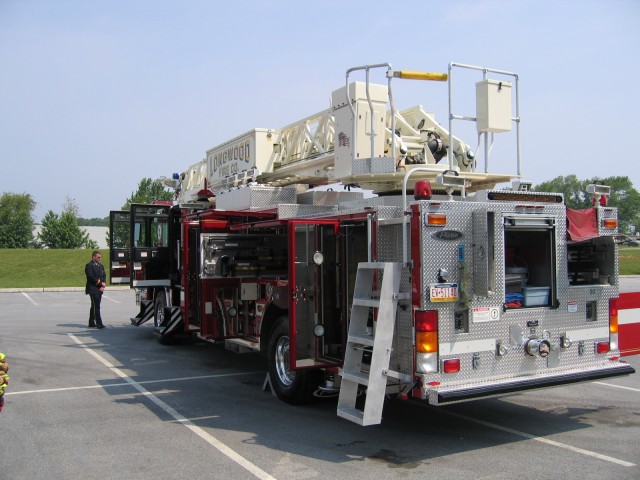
(114, 403)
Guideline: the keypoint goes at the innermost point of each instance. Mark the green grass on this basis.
(65, 268)
(629, 260)
(45, 268)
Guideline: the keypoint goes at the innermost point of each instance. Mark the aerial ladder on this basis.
(362, 140)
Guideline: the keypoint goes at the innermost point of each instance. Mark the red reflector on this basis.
(451, 365)
(426, 320)
(602, 347)
(614, 359)
(433, 384)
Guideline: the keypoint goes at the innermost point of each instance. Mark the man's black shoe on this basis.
(99, 326)
(92, 325)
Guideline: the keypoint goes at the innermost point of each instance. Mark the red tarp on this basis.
(582, 224)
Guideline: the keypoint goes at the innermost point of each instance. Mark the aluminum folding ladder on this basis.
(377, 340)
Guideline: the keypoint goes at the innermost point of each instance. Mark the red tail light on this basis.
(426, 341)
(613, 315)
(426, 320)
(602, 347)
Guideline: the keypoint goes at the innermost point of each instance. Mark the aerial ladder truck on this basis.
(442, 286)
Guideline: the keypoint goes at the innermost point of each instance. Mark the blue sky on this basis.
(96, 95)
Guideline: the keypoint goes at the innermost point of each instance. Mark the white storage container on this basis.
(535, 296)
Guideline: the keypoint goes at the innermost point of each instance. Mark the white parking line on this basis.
(29, 298)
(582, 451)
(210, 439)
(617, 386)
(122, 384)
(109, 298)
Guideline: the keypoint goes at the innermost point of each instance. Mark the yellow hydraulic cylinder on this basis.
(410, 75)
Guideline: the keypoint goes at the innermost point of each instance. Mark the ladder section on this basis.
(377, 340)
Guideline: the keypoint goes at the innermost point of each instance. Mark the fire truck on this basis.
(448, 283)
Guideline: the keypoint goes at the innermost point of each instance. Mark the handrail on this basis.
(366, 68)
(405, 180)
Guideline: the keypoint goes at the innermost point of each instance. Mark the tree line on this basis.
(623, 196)
(60, 230)
(64, 230)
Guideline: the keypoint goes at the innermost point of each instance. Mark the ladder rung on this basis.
(357, 377)
(371, 265)
(352, 414)
(363, 339)
(366, 302)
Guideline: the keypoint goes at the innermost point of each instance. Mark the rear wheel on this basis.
(291, 386)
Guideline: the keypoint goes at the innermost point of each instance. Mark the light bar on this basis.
(453, 181)
(599, 189)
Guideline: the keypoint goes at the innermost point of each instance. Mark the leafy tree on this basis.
(623, 196)
(626, 199)
(574, 190)
(148, 191)
(62, 231)
(16, 220)
(93, 222)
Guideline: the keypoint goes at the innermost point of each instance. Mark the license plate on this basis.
(443, 292)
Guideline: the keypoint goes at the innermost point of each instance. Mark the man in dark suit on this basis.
(96, 283)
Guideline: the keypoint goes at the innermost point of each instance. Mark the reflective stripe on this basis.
(455, 348)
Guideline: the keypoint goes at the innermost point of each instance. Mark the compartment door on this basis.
(484, 258)
(119, 248)
(313, 296)
(149, 240)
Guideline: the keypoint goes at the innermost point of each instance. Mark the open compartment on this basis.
(591, 262)
(530, 261)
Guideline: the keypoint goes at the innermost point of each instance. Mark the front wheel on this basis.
(158, 310)
(159, 320)
(291, 386)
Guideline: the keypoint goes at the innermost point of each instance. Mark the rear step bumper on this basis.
(443, 396)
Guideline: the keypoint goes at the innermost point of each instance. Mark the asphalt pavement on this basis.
(115, 404)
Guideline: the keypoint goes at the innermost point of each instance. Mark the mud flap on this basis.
(146, 313)
(173, 321)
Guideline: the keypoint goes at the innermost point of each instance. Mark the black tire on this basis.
(158, 309)
(159, 320)
(290, 386)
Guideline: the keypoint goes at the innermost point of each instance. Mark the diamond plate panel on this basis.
(365, 166)
(569, 317)
(326, 197)
(255, 197)
(289, 210)
(389, 249)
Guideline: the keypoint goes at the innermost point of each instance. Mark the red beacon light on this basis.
(422, 190)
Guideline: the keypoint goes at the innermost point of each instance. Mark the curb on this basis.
(54, 289)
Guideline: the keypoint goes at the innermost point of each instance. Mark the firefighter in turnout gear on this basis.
(4, 378)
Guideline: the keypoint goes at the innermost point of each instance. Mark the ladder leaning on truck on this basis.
(444, 287)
